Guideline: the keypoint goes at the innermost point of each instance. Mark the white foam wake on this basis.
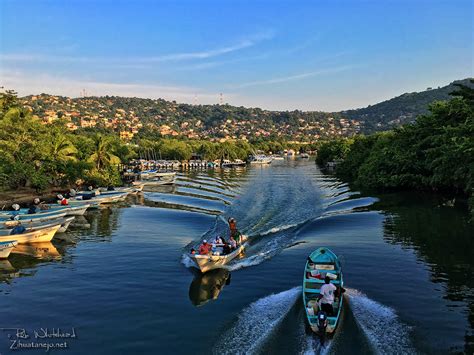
(387, 334)
(278, 229)
(256, 322)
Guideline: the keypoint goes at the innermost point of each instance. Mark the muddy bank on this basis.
(25, 196)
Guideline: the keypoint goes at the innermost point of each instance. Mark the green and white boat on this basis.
(321, 263)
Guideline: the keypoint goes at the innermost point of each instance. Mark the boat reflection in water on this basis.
(208, 286)
(38, 250)
(25, 258)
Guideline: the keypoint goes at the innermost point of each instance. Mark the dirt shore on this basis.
(25, 196)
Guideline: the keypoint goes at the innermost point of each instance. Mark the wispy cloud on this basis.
(25, 84)
(291, 77)
(173, 57)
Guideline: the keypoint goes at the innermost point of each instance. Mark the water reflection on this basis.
(42, 251)
(441, 237)
(208, 286)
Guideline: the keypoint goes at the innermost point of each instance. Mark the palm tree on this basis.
(102, 155)
(62, 149)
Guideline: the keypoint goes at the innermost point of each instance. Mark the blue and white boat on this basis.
(321, 263)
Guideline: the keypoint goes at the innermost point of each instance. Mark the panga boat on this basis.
(321, 263)
(210, 262)
(5, 229)
(34, 236)
(37, 217)
(6, 247)
(260, 159)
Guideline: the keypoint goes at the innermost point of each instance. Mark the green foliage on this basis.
(436, 152)
(334, 150)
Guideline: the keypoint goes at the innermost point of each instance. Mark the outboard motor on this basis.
(322, 324)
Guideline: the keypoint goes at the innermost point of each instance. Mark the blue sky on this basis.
(308, 55)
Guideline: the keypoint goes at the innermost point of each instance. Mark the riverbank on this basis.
(25, 196)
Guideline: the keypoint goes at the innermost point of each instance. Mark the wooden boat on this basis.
(210, 262)
(37, 217)
(260, 159)
(110, 197)
(33, 225)
(6, 247)
(154, 182)
(321, 263)
(34, 236)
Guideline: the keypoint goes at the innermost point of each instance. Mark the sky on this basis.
(324, 55)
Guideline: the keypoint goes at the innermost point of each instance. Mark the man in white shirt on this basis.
(326, 295)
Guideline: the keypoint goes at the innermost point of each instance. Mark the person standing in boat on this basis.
(233, 230)
(326, 295)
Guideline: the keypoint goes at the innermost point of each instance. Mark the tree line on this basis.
(435, 152)
(40, 156)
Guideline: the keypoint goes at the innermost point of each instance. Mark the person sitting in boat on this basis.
(18, 229)
(234, 232)
(62, 200)
(32, 209)
(40, 205)
(16, 209)
(232, 243)
(326, 296)
(193, 251)
(205, 248)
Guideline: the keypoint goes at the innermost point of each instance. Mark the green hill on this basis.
(401, 109)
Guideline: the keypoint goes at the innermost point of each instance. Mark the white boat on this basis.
(304, 155)
(238, 162)
(27, 218)
(65, 222)
(35, 236)
(110, 197)
(155, 182)
(6, 247)
(210, 262)
(260, 159)
(169, 175)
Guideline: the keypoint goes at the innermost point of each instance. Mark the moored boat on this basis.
(321, 263)
(210, 262)
(6, 247)
(28, 218)
(34, 236)
(260, 159)
(6, 227)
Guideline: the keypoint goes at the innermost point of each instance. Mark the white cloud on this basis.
(174, 57)
(26, 84)
(292, 77)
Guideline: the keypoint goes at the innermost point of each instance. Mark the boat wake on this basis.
(256, 323)
(386, 333)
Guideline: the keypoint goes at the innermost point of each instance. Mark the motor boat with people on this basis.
(323, 288)
(217, 259)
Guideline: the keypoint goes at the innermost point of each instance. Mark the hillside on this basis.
(132, 116)
(401, 109)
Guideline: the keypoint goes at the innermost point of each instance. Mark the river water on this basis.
(125, 285)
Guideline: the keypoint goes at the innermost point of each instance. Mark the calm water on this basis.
(125, 286)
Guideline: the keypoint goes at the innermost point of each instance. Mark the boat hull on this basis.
(206, 263)
(6, 248)
(35, 236)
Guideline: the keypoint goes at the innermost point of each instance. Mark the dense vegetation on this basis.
(402, 109)
(38, 155)
(436, 152)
